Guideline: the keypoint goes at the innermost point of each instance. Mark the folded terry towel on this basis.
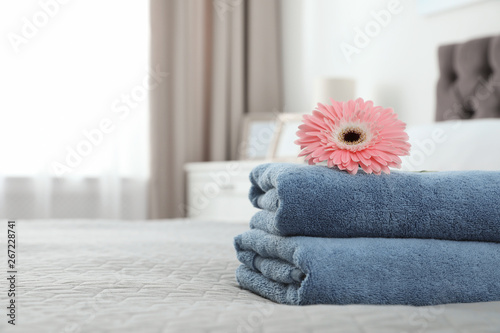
(317, 201)
(308, 270)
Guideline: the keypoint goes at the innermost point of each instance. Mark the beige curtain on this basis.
(222, 59)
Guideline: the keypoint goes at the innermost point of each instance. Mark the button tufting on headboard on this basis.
(469, 81)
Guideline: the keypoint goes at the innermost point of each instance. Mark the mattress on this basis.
(178, 276)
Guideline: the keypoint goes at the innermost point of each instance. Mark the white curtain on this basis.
(74, 109)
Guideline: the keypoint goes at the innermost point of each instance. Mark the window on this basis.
(75, 79)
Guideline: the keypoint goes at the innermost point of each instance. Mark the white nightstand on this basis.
(218, 191)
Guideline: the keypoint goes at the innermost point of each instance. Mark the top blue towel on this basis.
(317, 201)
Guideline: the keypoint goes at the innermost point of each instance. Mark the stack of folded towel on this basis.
(326, 237)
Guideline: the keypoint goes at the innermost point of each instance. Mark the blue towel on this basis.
(304, 200)
(308, 270)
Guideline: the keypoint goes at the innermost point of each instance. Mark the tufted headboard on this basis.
(469, 80)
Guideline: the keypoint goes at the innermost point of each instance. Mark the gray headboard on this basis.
(469, 80)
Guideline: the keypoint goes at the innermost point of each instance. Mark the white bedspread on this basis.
(178, 276)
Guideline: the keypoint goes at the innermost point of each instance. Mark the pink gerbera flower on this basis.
(353, 134)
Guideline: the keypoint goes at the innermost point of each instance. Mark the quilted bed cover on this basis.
(179, 276)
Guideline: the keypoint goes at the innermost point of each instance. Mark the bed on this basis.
(469, 80)
(178, 276)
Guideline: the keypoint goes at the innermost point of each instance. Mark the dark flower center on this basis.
(351, 137)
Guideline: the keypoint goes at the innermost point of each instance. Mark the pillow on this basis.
(454, 145)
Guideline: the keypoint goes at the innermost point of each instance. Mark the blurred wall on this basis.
(398, 65)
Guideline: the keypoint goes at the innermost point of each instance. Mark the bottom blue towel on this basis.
(309, 270)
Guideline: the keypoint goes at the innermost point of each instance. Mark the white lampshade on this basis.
(340, 89)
